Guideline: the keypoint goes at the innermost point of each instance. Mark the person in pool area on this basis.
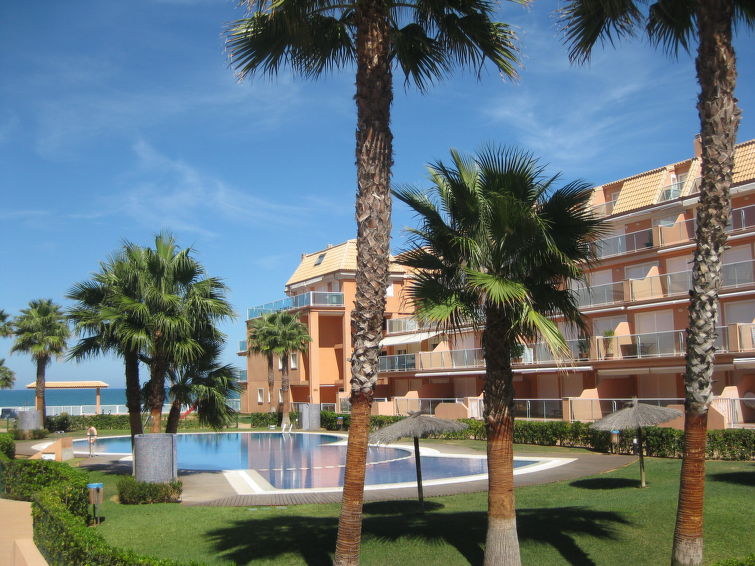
(92, 436)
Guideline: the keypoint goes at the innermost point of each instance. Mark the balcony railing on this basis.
(670, 192)
(604, 209)
(628, 346)
(243, 376)
(742, 218)
(624, 243)
(311, 299)
(738, 274)
(404, 324)
(599, 294)
(660, 285)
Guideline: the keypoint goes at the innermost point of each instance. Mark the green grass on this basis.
(603, 520)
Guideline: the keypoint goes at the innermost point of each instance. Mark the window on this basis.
(280, 363)
(260, 396)
(389, 290)
(280, 396)
(319, 259)
(294, 360)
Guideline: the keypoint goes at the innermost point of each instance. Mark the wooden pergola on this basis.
(96, 385)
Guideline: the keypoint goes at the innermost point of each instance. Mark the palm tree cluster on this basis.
(278, 334)
(157, 306)
(497, 247)
(7, 377)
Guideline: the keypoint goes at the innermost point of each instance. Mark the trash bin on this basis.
(615, 438)
(339, 422)
(96, 493)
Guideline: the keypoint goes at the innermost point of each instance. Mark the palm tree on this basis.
(497, 247)
(180, 308)
(41, 330)
(425, 39)
(260, 341)
(7, 377)
(6, 326)
(205, 386)
(674, 25)
(105, 326)
(287, 335)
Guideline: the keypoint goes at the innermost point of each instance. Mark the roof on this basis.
(70, 385)
(341, 257)
(641, 190)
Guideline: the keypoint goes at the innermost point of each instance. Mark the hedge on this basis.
(265, 420)
(729, 444)
(7, 446)
(22, 479)
(70, 423)
(63, 538)
(132, 492)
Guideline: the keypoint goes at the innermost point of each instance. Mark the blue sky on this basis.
(121, 119)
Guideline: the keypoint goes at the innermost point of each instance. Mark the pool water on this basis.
(296, 461)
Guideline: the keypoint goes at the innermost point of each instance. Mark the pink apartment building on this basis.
(635, 305)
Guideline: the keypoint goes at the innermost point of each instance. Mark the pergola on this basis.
(96, 385)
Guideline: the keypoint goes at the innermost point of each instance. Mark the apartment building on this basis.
(322, 291)
(635, 304)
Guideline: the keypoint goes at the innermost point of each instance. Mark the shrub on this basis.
(72, 423)
(7, 446)
(63, 538)
(36, 434)
(132, 492)
(265, 420)
(22, 479)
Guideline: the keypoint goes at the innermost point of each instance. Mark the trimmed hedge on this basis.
(265, 420)
(22, 479)
(729, 444)
(132, 492)
(71, 423)
(63, 538)
(7, 446)
(35, 434)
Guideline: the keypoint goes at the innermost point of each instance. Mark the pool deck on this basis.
(213, 489)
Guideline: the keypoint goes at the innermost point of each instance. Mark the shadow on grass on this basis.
(741, 478)
(399, 507)
(605, 483)
(313, 538)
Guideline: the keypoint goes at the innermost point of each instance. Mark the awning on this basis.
(71, 385)
(407, 338)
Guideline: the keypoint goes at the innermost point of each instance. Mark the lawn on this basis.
(602, 520)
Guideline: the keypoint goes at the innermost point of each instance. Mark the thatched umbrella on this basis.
(417, 426)
(636, 416)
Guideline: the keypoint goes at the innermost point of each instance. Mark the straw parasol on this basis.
(416, 425)
(636, 416)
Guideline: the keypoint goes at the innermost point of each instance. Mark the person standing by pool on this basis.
(92, 437)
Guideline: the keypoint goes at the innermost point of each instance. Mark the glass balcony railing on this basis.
(629, 346)
(599, 294)
(660, 285)
(404, 324)
(311, 299)
(604, 209)
(624, 243)
(738, 274)
(742, 218)
(243, 376)
(671, 192)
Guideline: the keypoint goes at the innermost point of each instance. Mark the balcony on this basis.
(599, 294)
(404, 324)
(657, 286)
(242, 346)
(624, 243)
(604, 209)
(243, 376)
(311, 299)
(671, 192)
(596, 348)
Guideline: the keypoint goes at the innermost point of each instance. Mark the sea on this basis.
(25, 397)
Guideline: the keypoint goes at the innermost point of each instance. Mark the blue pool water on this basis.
(298, 461)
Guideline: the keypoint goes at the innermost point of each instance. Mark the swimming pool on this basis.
(273, 460)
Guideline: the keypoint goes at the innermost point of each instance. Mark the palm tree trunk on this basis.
(719, 120)
(374, 157)
(39, 391)
(286, 419)
(271, 396)
(350, 520)
(133, 393)
(501, 542)
(156, 394)
(173, 417)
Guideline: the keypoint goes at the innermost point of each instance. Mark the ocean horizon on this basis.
(54, 397)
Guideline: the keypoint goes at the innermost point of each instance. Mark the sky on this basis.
(122, 119)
